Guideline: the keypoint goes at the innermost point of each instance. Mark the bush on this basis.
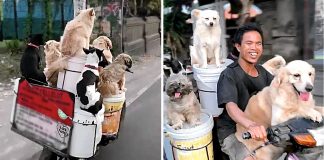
(13, 46)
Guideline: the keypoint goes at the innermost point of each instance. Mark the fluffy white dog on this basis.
(206, 38)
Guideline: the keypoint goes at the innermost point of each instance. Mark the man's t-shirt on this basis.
(234, 85)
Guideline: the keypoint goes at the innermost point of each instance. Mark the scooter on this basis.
(294, 135)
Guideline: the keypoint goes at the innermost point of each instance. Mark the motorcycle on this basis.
(297, 136)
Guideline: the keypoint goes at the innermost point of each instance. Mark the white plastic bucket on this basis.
(194, 143)
(113, 109)
(86, 132)
(207, 79)
(67, 79)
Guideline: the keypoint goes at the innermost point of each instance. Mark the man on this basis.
(237, 83)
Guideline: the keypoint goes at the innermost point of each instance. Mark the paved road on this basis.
(140, 136)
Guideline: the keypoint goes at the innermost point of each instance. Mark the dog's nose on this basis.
(309, 88)
(211, 23)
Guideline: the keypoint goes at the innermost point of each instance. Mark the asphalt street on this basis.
(140, 136)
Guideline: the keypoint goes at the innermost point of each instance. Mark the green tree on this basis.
(48, 20)
(177, 31)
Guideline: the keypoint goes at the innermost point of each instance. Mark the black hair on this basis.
(246, 28)
(238, 36)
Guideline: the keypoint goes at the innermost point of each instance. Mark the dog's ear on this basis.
(281, 77)
(91, 12)
(195, 13)
(86, 51)
(128, 62)
(108, 43)
(99, 53)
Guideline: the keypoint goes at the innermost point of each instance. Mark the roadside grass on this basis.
(9, 63)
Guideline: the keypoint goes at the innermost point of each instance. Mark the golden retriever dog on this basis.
(112, 78)
(103, 42)
(183, 105)
(52, 54)
(288, 96)
(206, 38)
(77, 33)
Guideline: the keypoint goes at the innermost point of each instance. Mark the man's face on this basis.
(251, 47)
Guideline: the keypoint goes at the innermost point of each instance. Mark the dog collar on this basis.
(91, 66)
(33, 45)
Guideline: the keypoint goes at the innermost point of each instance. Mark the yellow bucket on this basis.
(192, 143)
(113, 108)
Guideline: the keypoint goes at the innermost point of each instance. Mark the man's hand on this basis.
(257, 132)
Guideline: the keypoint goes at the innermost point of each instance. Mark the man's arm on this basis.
(257, 131)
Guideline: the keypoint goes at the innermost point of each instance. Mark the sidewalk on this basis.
(147, 70)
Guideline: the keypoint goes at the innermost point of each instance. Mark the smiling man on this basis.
(237, 83)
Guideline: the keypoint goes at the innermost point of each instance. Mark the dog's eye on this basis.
(297, 75)
(310, 74)
(207, 18)
(214, 18)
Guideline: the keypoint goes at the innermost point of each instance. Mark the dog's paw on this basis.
(194, 122)
(315, 116)
(177, 126)
(198, 123)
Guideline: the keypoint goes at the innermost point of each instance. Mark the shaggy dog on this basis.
(86, 86)
(103, 42)
(52, 54)
(183, 105)
(77, 33)
(287, 97)
(112, 78)
(30, 61)
(206, 38)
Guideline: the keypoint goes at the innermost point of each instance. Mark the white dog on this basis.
(206, 38)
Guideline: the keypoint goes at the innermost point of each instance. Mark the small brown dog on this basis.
(52, 54)
(112, 78)
(183, 105)
(103, 42)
